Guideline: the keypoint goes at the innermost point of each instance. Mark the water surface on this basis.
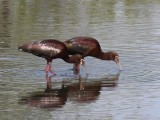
(100, 92)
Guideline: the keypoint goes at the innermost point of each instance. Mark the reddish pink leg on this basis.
(76, 68)
(48, 79)
(49, 69)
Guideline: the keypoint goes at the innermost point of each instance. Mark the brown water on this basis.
(101, 92)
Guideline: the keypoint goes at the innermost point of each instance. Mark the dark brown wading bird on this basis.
(87, 46)
(51, 49)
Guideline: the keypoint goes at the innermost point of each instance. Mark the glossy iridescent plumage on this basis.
(87, 46)
(50, 49)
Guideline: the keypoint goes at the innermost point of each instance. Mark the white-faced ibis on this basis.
(50, 49)
(87, 46)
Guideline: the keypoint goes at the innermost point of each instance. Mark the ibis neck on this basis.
(104, 56)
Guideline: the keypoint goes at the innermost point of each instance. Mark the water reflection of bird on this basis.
(50, 49)
(88, 91)
(84, 91)
(110, 81)
(87, 46)
(49, 98)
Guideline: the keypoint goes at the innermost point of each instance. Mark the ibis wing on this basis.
(47, 48)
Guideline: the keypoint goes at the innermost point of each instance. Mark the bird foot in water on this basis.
(52, 72)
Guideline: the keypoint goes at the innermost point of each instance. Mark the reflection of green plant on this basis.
(101, 12)
(133, 9)
(43, 19)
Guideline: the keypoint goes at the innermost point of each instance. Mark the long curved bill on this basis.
(118, 62)
(119, 66)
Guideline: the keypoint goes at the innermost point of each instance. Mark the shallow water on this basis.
(131, 28)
